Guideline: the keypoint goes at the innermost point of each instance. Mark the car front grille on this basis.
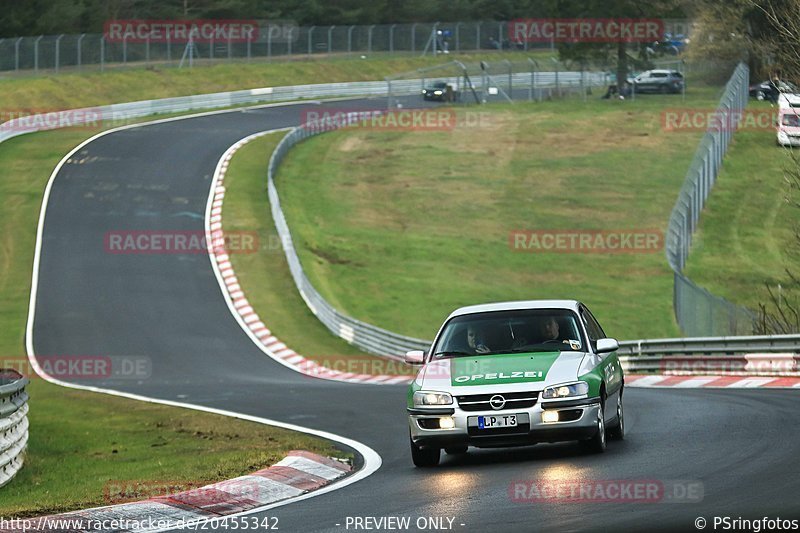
(514, 400)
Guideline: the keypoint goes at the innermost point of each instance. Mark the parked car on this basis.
(763, 90)
(658, 81)
(513, 374)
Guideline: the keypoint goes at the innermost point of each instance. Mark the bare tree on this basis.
(775, 36)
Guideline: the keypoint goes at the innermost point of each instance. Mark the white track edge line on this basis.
(372, 461)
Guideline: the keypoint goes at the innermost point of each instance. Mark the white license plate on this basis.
(497, 421)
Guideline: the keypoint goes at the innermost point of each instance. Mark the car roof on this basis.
(516, 305)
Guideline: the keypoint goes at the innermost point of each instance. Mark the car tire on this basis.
(597, 444)
(617, 431)
(456, 450)
(424, 457)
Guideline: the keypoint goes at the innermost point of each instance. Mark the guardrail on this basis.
(13, 423)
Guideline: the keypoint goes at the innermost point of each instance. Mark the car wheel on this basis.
(760, 95)
(456, 450)
(618, 431)
(424, 457)
(597, 444)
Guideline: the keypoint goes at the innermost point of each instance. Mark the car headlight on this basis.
(424, 398)
(437, 92)
(568, 390)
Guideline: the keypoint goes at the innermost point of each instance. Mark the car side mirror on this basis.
(415, 357)
(607, 345)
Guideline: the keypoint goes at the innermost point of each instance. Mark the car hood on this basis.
(510, 372)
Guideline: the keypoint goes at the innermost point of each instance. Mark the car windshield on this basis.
(440, 85)
(791, 120)
(517, 331)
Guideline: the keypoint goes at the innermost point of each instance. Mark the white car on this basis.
(515, 373)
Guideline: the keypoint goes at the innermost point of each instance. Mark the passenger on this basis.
(475, 342)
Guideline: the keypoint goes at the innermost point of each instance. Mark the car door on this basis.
(610, 367)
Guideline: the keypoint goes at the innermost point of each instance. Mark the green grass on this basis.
(265, 277)
(745, 234)
(83, 445)
(399, 228)
(68, 463)
(72, 90)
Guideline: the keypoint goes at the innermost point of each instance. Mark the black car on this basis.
(658, 81)
(441, 91)
(764, 90)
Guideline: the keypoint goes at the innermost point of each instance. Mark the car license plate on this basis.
(497, 421)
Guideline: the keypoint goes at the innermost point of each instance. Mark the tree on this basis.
(775, 37)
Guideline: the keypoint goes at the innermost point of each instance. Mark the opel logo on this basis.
(497, 402)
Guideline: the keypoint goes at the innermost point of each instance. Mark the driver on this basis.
(548, 330)
(474, 342)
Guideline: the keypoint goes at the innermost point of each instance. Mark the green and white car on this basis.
(515, 373)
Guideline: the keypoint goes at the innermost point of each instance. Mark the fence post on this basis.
(369, 38)
(249, 44)
(391, 38)
(413, 37)
(500, 36)
(102, 53)
(16, 53)
(310, 32)
(58, 52)
(210, 48)
(147, 50)
(330, 39)
(36, 53)
(125, 49)
(169, 47)
(458, 37)
(478, 36)
(289, 39)
(350, 39)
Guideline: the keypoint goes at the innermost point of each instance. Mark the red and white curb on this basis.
(298, 473)
(240, 306)
(712, 382)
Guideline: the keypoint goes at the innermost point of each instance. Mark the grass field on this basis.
(398, 228)
(746, 229)
(84, 446)
(265, 277)
(68, 464)
(67, 91)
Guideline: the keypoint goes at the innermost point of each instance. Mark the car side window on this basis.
(593, 329)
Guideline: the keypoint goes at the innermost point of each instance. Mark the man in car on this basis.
(475, 342)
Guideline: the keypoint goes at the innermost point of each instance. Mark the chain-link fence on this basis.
(698, 312)
(271, 41)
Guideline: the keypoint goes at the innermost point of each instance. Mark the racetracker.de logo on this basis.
(606, 491)
(720, 120)
(120, 491)
(178, 242)
(79, 367)
(395, 120)
(181, 31)
(589, 30)
(30, 120)
(587, 241)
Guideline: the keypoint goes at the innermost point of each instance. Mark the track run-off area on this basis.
(738, 446)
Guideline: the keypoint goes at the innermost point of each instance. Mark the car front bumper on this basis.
(531, 429)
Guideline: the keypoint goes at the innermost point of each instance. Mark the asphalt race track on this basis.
(740, 444)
